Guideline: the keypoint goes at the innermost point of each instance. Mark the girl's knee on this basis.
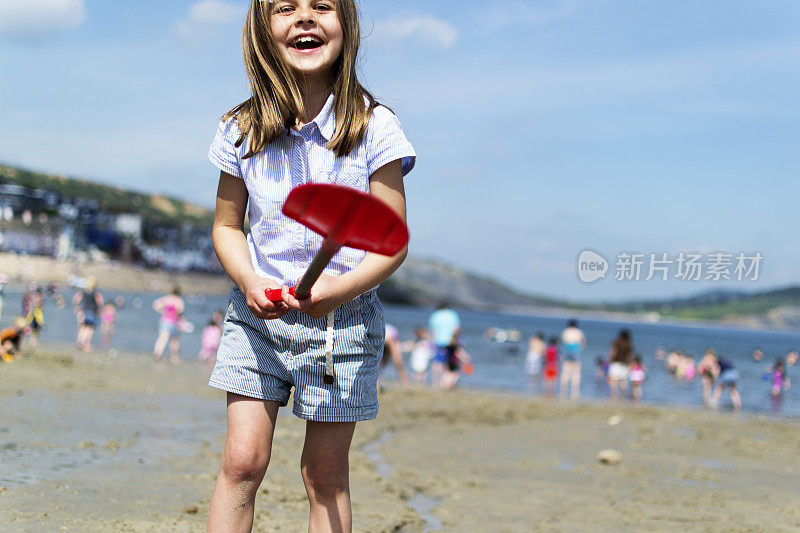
(326, 477)
(241, 463)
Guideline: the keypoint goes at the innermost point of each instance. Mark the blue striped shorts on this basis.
(264, 359)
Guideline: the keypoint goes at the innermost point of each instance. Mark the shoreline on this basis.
(114, 275)
(110, 275)
(145, 438)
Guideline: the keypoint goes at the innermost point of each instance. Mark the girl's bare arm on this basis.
(230, 244)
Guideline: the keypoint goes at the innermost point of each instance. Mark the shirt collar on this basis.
(326, 121)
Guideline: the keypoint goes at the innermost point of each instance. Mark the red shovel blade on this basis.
(347, 217)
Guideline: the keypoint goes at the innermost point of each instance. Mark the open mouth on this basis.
(306, 43)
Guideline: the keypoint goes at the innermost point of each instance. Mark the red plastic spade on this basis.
(345, 217)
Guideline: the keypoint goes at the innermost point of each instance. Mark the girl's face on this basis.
(308, 34)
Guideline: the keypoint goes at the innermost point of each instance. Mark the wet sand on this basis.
(91, 443)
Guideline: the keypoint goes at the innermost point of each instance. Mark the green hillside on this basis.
(717, 305)
(156, 208)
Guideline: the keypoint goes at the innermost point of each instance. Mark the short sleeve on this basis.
(223, 152)
(387, 142)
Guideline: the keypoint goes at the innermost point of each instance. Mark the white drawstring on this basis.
(329, 348)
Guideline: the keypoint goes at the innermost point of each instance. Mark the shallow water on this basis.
(498, 366)
(423, 504)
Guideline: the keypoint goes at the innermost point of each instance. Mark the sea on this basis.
(498, 366)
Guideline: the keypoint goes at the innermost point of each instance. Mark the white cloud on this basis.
(424, 28)
(206, 17)
(31, 21)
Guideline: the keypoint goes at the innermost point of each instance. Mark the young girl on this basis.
(107, 318)
(170, 307)
(308, 120)
(421, 348)
(457, 359)
(209, 343)
(35, 316)
(780, 381)
(636, 374)
(533, 359)
(551, 359)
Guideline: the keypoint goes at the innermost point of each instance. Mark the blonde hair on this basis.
(276, 101)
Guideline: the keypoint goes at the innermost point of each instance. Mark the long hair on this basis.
(276, 101)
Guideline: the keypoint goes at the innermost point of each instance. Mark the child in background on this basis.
(308, 120)
(393, 351)
(636, 374)
(108, 316)
(533, 359)
(422, 348)
(551, 359)
(11, 339)
(689, 369)
(457, 358)
(35, 317)
(780, 382)
(601, 372)
(209, 343)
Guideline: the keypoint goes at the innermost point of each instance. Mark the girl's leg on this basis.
(87, 338)
(161, 343)
(80, 342)
(437, 368)
(248, 444)
(636, 392)
(575, 391)
(566, 373)
(735, 398)
(706, 391)
(402, 375)
(175, 350)
(715, 397)
(326, 474)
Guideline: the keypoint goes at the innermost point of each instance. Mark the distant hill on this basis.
(427, 282)
(156, 208)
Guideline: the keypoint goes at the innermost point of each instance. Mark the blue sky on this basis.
(542, 128)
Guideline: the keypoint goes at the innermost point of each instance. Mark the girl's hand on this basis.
(255, 293)
(326, 296)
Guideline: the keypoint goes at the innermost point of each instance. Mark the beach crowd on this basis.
(93, 311)
(435, 356)
(556, 365)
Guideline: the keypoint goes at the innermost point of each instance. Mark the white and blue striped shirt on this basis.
(280, 248)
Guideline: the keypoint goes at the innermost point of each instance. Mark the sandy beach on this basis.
(111, 275)
(93, 443)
